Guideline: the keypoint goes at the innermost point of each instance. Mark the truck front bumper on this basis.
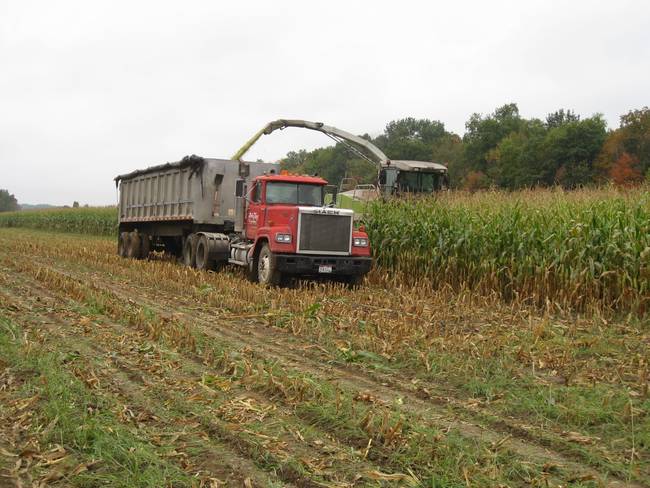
(319, 265)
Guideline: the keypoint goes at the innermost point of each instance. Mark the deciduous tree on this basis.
(484, 133)
(625, 171)
(8, 202)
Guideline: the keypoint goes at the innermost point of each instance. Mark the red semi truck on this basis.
(212, 212)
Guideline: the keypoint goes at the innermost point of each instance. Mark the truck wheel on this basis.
(189, 251)
(202, 257)
(267, 273)
(122, 244)
(133, 248)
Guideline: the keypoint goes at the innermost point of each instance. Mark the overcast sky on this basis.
(92, 89)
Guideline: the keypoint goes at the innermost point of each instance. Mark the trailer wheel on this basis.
(122, 244)
(267, 272)
(202, 257)
(189, 251)
(133, 247)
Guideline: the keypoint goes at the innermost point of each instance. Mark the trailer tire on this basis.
(122, 244)
(202, 254)
(189, 251)
(267, 272)
(133, 247)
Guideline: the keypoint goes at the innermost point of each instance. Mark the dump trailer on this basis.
(214, 212)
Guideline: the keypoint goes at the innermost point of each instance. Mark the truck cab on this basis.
(292, 232)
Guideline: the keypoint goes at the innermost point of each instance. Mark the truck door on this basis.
(254, 212)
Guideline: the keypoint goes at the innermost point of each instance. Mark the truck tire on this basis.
(202, 254)
(267, 273)
(133, 247)
(122, 244)
(189, 251)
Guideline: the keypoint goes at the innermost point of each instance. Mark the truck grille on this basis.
(324, 233)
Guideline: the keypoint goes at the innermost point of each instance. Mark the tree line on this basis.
(8, 202)
(503, 149)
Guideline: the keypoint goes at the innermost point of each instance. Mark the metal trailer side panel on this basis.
(169, 194)
(200, 193)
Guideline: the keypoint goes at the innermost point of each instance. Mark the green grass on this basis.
(82, 422)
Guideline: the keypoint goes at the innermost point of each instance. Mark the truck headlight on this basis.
(283, 238)
(360, 242)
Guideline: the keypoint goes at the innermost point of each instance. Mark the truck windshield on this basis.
(294, 193)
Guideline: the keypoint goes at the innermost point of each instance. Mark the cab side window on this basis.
(255, 193)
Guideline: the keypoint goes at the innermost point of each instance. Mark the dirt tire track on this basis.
(385, 387)
(268, 344)
(119, 383)
(131, 377)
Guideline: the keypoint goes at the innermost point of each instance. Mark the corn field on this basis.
(589, 248)
(93, 220)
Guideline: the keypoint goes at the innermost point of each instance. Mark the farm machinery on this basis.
(394, 177)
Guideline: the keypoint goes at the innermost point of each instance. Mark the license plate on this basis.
(324, 268)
